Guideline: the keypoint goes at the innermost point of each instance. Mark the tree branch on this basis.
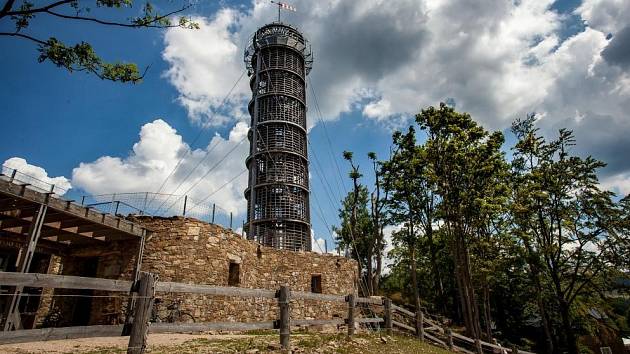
(15, 34)
(41, 9)
(7, 6)
(132, 25)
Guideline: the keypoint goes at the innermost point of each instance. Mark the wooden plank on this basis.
(369, 300)
(402, 325)
(208, 326)
(44, 334)
(350, 320)
(435, 339)
(495, 346)
(404, 311)
(141, 314)
(335, 321)
(435, 328)
(170, 287)
(464, 338)
(434, 324)
(369, 320)
(284, 301)
(301, 295)
(460, 349)
(387, 304)
(37, 280)
(73, 209)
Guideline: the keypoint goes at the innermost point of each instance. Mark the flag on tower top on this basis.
(284, 6)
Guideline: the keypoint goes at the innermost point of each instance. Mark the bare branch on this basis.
(15, 34)
(7, 6)
(41, 9)
(149, 24)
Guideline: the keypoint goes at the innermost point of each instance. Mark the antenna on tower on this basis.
(284, 6)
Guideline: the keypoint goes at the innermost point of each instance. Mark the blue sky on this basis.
(376, 64)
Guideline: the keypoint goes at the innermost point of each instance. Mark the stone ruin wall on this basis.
(116, 260)
(187, 250)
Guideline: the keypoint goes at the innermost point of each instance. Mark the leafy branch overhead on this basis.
(81, 56)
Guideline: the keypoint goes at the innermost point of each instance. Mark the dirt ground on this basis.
(90, 344)
(244, 343)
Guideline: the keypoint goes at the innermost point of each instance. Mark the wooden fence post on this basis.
(142, 314)
(350, 319)
(420, 325)
(285, 326)
(387, 303)
(478, 346)
(449, 338)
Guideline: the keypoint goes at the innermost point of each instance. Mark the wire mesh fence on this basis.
(31, 182)
(160, 204)
(125, 204)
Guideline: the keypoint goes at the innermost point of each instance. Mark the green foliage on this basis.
(360, 235)
(572, 231)
(81, 56)
(533, 244)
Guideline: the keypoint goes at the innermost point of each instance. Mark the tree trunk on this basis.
(439, 286)
(546, 321)
(487, 315)
(379, 260)
(461, 290)
(469, 303)
(413, 266)
(414, 278)
(370, 274)
(567, 328)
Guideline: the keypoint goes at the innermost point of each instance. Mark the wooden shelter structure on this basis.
(36, 224)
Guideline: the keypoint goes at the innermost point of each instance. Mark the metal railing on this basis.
(160, 204)
(135, 203)
(14, 176)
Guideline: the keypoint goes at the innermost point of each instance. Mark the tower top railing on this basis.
(278, 34)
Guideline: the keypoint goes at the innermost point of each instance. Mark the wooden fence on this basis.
(432, 331)
(143, 295)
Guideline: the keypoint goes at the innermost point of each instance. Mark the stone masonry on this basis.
(187, 250)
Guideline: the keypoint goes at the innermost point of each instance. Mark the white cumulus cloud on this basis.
(159, 150)
(35, 175)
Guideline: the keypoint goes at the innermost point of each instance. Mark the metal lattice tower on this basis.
(278, 59)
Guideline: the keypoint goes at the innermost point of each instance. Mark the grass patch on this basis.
(260, 343)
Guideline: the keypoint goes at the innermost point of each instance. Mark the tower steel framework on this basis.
(278, 59)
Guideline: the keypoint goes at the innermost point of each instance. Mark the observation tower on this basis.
(278, 59)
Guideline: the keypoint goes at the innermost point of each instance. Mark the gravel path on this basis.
(87, 344)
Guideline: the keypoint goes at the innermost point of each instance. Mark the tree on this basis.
(400, 179)
(81, 56)
(574, 232)
(355, 230)
(377, 203)
(465, 163)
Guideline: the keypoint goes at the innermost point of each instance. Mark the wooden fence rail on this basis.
(143, 294)
(141, 325)
(43, 334)
(447, 342)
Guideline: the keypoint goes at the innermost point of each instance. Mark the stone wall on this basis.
(187, 250)
(67, 307)
(190, 251)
